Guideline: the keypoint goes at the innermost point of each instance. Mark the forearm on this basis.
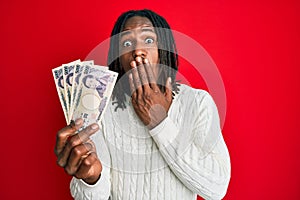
(207, 175)
(81, 190)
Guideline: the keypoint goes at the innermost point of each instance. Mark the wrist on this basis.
(92, 180)
(157, 114)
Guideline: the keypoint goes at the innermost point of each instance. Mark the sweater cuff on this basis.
(82, 190)
(85, 186)
(165, 133)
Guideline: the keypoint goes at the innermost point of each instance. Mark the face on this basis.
(92, 83)
(138, 38)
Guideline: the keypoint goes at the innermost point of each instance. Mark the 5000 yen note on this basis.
(60, 85)
(78, 69)
(68, 72)
(94, 92)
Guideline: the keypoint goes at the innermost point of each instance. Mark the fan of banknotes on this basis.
(84, 89)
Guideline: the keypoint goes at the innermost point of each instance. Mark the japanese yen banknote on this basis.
(84, 90)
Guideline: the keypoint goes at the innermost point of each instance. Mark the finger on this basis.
(63, 135)
(142, 73)
(78, 153)
(150, 75)
(168, 89)
(132, 87)
(136, 78)
(81, 137)
(85, 169)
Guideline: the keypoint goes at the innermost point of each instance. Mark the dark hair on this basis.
(84, 79)
(167, 51)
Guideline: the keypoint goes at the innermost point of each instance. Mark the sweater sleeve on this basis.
(195, 150)
(80, 190)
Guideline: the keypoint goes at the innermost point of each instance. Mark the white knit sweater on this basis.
(183, 156)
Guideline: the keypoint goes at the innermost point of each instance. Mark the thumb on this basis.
(168, 87)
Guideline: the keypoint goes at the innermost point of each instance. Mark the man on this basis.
(158, 139)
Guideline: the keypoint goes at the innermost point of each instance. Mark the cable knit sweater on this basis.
(183, 156)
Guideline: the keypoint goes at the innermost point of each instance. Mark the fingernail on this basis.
(60, 163)
(133, 64)
(138, 59)
(94, 126)
(78, 121)
(146, 60)
(130, 76)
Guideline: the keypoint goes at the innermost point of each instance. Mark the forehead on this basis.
(136, 22)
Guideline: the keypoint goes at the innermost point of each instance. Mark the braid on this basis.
(166, 50)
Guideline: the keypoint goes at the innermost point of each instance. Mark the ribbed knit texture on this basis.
(183, 156)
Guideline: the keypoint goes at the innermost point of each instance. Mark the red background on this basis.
(255, 45)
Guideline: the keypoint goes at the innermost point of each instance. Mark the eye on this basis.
(127, 43)
(149, 41)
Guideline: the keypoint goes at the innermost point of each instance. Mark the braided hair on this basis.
(166, 50)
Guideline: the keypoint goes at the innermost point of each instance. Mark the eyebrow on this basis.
(144, 29)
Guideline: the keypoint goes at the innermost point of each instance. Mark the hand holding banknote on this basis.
(76, 152)
(84, 90)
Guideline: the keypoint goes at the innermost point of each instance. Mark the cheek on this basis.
(154, 59)
(153, 55)
(125, 62)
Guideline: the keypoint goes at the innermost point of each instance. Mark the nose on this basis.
(139, 51)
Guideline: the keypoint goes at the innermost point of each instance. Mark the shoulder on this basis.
(197, 96)
(195, 102)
